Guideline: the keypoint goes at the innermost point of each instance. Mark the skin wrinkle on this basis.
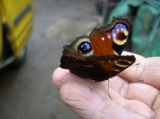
(96, 108)
(94, 111)
(124, 89)
(157, 115)
(103, 95)
(69, 96)
(154, 107)
(80, 112)
(143, 96)
(138, 109)
(110, 107)
(110, 111)
(153, 75)
(104, 109)
(154, 100)
(140, 69)
(76, 101)
(114, 86)
(65, 97)
(102, 115)
(98, 88)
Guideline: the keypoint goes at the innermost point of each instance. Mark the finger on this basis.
(61, 76)
(156, 107)
(129, 73)
(156, 104)
(132, 91)
(148, 70)
(139, 108)
(58, 77)
(78, 98)
(92, 105)
(157, 114)
(142, 92)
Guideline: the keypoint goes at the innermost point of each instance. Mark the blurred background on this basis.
(32, 33)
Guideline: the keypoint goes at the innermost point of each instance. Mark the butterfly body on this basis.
(98, 56)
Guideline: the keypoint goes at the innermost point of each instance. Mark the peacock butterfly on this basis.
(98, 56)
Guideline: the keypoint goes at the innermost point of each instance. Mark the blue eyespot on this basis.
(84, 47)
(118, 32)
(120, 26)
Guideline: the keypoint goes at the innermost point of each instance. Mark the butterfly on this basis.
(98, 56)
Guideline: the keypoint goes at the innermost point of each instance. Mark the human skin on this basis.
(131, 98)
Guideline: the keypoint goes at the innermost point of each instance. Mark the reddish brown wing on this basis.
(110, 39)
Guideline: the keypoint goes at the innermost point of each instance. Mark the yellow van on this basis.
(16, 22)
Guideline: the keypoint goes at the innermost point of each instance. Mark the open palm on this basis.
(131, 99)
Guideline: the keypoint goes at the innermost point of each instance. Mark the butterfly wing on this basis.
(113, 64)
(110, 39)
(73, 48)
(98, 56)
(98, 68)
(85, 68)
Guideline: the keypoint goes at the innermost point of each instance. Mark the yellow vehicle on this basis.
(16, 22)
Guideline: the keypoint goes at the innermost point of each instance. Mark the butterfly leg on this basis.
(108, 90)
(92, 86)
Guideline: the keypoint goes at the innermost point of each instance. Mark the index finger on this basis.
(148, 70)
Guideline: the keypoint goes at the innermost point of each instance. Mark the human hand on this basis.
(131, 100)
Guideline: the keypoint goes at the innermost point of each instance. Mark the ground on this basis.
(28, 92)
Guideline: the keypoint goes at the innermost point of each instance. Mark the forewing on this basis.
(72, 49)
(110, 39)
